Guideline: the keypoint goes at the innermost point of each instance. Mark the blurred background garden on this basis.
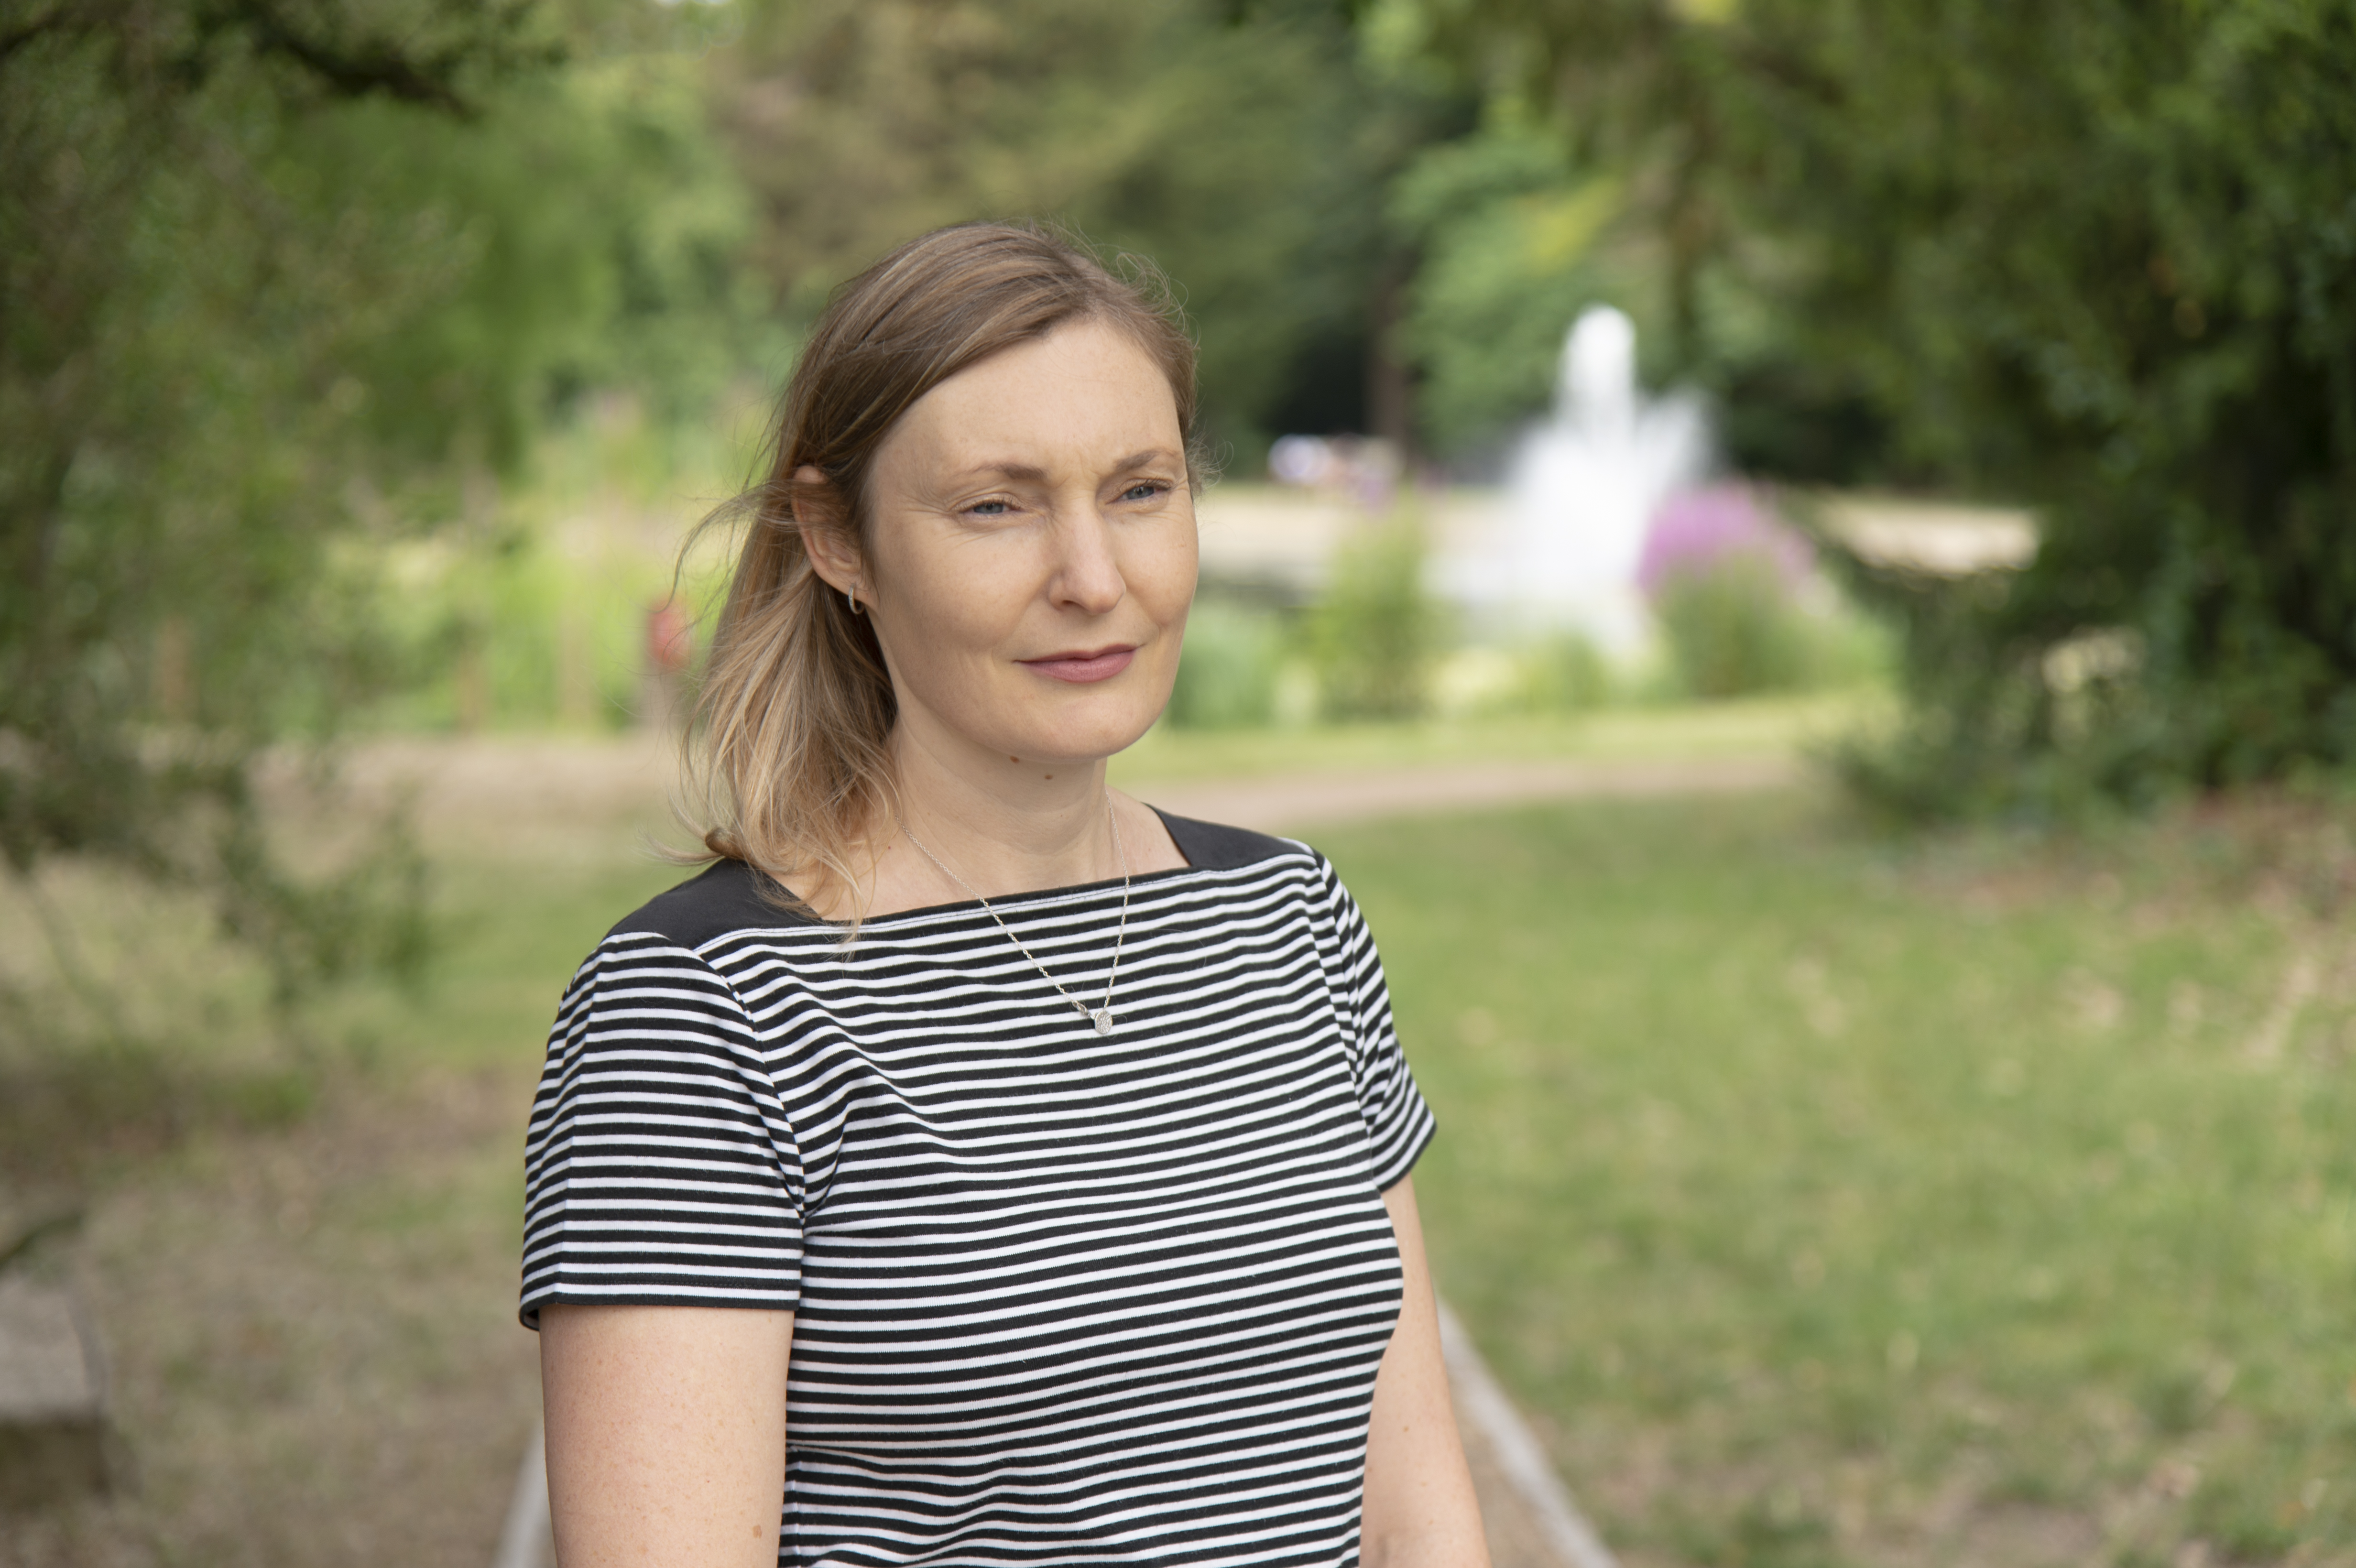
(1800, 558)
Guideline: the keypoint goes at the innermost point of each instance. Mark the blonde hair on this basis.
(788, 736)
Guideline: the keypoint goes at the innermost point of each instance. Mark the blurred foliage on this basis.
(309, 309)
(1505, 234)
(275, 279)
(2099, 258)
(535, 615)
(1731, 630)
(1247, 158)
(1511, 241)
(1227, 677)
(1566, 673)
(1373, 632)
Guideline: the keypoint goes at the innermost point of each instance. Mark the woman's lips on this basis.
(1081, 668)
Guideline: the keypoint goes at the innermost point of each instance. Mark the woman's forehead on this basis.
(1084, 388)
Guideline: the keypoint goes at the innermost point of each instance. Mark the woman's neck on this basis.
(1008, 827)
(994, 826)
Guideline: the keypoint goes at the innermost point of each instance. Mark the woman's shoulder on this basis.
(1215, 847)
(727, 897)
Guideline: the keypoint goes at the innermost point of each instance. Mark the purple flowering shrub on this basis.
(1697, 530)
(1723, 577)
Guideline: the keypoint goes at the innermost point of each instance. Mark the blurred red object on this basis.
(670, 639)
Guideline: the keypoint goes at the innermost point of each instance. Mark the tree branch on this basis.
(360, 69)
(17, 37)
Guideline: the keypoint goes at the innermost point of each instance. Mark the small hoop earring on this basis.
(851, 596)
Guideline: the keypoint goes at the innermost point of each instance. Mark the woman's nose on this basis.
(1087, 572)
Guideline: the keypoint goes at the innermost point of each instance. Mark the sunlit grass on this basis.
(1806, 1185)
(1780, 724)
(1808, 1189)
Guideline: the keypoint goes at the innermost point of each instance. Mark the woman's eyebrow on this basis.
(1150, 454)
(1024, 471)
(1032, 474)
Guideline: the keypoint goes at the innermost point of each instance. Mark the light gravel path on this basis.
(1288, 801)
(535, 785)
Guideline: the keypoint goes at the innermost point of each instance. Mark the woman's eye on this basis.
(989, 508)
(1144, 490)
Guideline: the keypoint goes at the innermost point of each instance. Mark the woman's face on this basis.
(1031, 551)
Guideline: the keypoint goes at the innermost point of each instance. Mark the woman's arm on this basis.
(666, 1434)
(1419, 1510)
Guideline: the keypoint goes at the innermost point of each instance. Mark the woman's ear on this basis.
(827, 534)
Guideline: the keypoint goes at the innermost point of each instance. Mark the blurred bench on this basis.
(53, 1438)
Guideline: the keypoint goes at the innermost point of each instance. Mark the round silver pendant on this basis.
(1102, 1019)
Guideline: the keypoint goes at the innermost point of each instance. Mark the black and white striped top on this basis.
(1061, 1298)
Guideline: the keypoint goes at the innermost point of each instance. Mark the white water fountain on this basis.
(1582, 489)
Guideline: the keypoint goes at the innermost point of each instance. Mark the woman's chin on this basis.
(1090, 746)
(1067, 725)
(1089, 734)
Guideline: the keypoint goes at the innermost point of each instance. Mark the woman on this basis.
(991, 1167)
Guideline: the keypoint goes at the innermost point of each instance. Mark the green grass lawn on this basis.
(1777, 724)
(1827, 1199)
(1833, 1203)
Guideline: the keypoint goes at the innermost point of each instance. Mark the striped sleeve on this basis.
(660, 1169)
(1398, 1124)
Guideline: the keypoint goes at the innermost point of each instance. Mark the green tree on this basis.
(1245, 158)
(274, 278)
(2099, 257)
(1506, 237)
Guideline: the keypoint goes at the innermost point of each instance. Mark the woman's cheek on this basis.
(974, 602)
(1164, 578)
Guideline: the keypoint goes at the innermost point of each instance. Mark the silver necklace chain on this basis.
(1100, 1017)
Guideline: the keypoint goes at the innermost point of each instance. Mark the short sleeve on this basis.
(660, 1169)
(1398, 1124)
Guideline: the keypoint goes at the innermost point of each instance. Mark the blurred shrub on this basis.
(1849, 647)
(1724, 578)
(1697, 528)
(512, 632)
(1478, 681)
(1227, 679)
(1566, 673)
(1731, 630)
(1560, 673)
(1373, 636)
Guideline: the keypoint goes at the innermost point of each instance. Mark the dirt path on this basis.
(526, 788)
(1317, 799)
